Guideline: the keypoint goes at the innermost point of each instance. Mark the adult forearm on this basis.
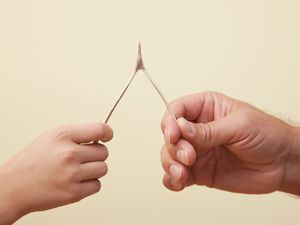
(291, 182)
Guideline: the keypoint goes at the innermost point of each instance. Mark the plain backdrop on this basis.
(66, 61)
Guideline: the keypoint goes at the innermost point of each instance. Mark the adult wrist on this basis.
(291, 181)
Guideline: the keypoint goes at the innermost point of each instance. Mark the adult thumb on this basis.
(204, 136)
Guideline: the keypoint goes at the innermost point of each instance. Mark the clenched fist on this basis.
(228, 144)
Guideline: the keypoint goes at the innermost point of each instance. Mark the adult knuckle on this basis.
(246, 119)
(207, 132)
(173, 102)
(176, 103)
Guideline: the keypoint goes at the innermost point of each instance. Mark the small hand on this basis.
(58, 168)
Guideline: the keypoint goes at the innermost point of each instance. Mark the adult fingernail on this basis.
(175, 172)
(167, 136)
(175, 184)
(183, 123)
(182, 156)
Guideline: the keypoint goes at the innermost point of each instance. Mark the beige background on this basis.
(65, 61)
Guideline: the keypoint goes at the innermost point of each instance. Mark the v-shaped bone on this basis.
(140, 66)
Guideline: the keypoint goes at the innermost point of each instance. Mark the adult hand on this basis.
(58, 168)
(227, 144)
